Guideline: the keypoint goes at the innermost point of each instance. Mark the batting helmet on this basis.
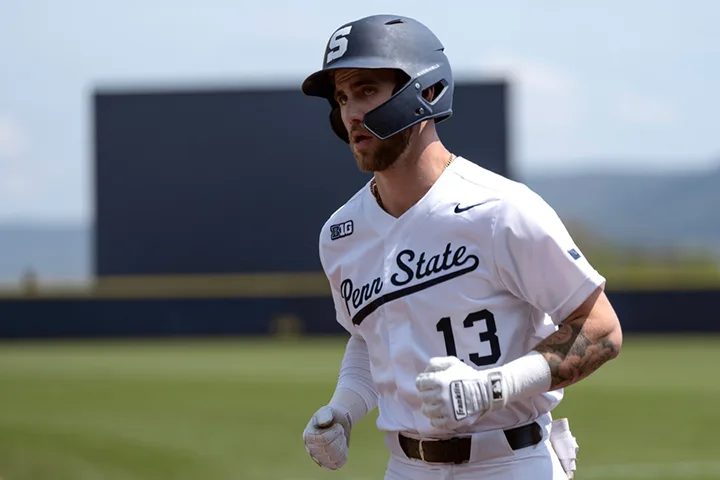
(394, 42)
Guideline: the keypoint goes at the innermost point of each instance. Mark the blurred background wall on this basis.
(161, 174)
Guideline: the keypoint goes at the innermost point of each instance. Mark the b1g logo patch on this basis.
(340, 230)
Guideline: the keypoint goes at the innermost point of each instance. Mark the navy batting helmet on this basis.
(393, 42)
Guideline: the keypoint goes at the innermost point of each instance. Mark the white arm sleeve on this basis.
(537, 260)
(355, 391)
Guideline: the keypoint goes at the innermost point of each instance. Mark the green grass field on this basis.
(236, 410)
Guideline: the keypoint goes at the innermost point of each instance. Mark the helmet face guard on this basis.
(388, 42)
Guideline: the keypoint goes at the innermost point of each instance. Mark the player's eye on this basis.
(368, 90)
(341, 99)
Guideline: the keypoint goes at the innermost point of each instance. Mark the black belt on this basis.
(457, 449)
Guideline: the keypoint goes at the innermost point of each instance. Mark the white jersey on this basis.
(481, 268)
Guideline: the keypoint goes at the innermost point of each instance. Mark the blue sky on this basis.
(620, 85)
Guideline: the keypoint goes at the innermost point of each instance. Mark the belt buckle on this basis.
(422, 452)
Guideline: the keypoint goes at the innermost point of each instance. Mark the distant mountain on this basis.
(49, 251)
(639, 209)
(627, 209)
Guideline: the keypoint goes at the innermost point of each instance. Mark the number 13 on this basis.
(445, 327)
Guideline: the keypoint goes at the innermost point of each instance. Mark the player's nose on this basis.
(353, 113)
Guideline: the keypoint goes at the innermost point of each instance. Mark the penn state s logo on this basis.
(338, 44)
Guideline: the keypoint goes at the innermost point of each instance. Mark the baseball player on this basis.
(468, 304)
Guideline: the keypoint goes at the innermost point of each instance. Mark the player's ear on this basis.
(429, 93)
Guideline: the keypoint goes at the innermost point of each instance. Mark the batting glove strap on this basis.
(483, 395)
(350, 404)
(525, 377)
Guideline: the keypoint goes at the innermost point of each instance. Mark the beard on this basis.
(384, 153)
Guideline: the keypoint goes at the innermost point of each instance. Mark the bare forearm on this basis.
(579, 348)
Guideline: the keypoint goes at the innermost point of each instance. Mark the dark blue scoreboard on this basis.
(225, 181)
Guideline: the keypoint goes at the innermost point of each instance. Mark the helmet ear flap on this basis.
(337, 124)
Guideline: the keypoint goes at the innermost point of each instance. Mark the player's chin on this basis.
(365, 162)
(363, 156)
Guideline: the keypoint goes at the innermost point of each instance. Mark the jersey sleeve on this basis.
(537, 259)
(340, 316)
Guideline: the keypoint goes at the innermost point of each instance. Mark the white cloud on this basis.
(547, 105)
(13, 141)
(15, 185)
(18, 180)
(643, 109)
(548, 96)
(531, 73)
(35, 181)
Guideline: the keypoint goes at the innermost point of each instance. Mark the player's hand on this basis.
(327, 437)
(452, 393)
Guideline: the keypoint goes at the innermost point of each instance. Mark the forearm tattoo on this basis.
(573, 353)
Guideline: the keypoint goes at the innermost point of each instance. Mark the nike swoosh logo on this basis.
(458, 209)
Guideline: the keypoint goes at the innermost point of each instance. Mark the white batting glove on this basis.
(327, 437)
(565, 445)
(453, 393)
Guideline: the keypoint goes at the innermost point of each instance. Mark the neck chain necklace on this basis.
(376, 194)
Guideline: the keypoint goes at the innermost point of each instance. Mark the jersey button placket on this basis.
(398, 327)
